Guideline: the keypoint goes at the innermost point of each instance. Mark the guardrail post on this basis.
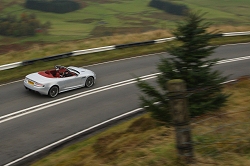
(180, 118)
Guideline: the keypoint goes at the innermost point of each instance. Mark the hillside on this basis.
(220, 138)
(107, 18)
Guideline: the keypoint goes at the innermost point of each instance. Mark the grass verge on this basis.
(82, 60)
(144, 141)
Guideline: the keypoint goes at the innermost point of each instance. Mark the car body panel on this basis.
(42, 81)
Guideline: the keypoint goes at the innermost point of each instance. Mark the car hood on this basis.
(39, 78)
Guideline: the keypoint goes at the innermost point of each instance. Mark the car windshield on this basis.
(73, 70)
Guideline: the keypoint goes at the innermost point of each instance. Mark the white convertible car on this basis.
(61, 79)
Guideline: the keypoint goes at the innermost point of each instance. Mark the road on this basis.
(49, 120)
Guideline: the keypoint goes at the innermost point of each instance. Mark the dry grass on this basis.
(223, 136)
(229, 28)
(143, 141)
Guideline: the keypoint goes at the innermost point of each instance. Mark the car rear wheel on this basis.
(53, 92)
(89, 82)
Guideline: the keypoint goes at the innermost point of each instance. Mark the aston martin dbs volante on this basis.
(60, 79)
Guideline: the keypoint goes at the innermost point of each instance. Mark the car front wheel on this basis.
(89, 82)
(53, 92)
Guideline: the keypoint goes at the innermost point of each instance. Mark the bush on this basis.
(26, 25)
(169, 7)
(54, 6)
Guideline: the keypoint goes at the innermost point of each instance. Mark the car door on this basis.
(67, 83)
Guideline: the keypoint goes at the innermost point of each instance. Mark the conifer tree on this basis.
(190, 60)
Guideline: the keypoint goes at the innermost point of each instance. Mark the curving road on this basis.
(48, 120)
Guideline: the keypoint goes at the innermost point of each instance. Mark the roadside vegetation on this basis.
(220, 138)
(54, 6)
(26, 25)
(169, 7)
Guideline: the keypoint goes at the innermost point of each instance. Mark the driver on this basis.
(66, 73)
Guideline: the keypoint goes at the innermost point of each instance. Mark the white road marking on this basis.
(233, 60)
(11, 82)
(235, 44)
(74, 135)
(39, 107)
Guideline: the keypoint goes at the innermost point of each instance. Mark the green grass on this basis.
(125, 16)
(71, 26)
(227, 8)
(144, 142)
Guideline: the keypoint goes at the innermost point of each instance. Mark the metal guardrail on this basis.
(92, 50)
(106, 48)
(10, 65)
(236, 33)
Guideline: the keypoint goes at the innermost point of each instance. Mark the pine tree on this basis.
(190, 61)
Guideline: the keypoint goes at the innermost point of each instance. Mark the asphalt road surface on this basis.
(49, 120)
